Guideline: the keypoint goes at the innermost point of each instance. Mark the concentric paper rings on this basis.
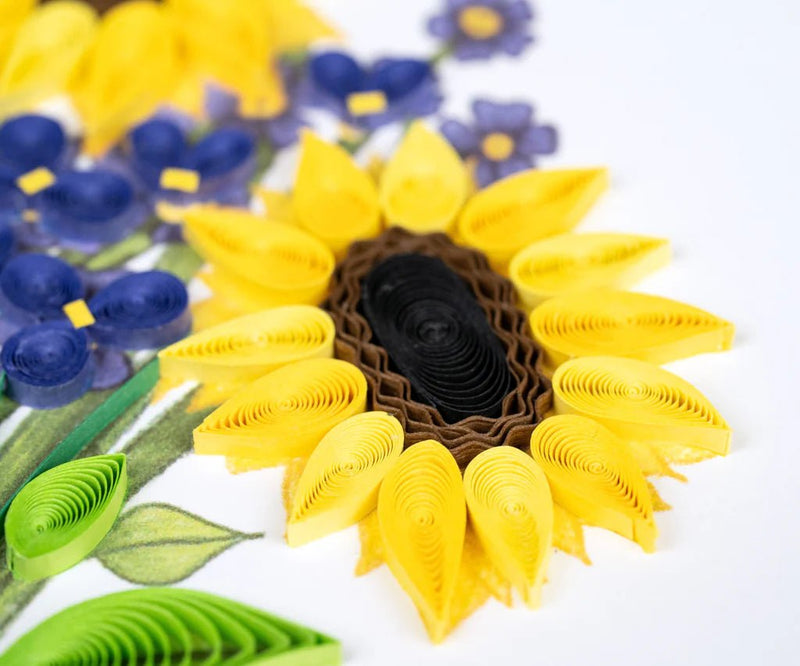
(592, 475)
(47, 365)
(57, 519)
(8, 241)
(511, 508)
(339, 485)
(31, 141)
(155, 145)
(284, 414)
(640, 402)
(222, 152)
(141, 311)
(422, 517)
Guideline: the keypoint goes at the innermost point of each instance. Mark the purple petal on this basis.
(468, 49)
(282, 131)
(463, 138)
(492, 117)
(518, 10)
(486, 173)
(512, 165)
(219, 103)
(538, 140)
(111, 368)
(168, 233)
(443, 27)
(455, 5)
(514, 43)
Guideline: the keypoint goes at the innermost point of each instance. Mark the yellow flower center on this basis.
(480, 22)
(497, 146)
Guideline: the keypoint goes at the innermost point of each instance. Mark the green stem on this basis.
(444, 52)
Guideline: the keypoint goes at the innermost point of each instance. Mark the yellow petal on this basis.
(621, 323)
(339, 485)
(571, 262)
(369, 537)
(516, 211)
(422, 518)
(284, 414)
(334, 199)
(228, 356)
(295, 26)
(12, 14)
(424, 184)
(510, 506)
(277, 204)
(640, 402)
(568, 533)
(592, 475)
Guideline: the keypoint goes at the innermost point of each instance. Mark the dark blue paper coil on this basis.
(141, 311)
(8, 242)
(154, 146)
(31, 141)
(12, 199)
(47, 365)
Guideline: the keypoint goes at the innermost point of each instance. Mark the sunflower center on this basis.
(480, 22)
(497, 146)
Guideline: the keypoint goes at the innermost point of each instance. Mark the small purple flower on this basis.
(479, 29)
(504, 139)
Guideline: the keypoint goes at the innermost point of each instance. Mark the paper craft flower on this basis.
(30, 141)
(504, 139)
(477, 29)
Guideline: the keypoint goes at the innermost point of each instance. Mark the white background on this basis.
(693, 104)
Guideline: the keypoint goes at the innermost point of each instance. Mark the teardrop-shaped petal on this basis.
(232, 354)
(57, 519)
(295, 25)
(424, 184)
(640, 402)
(571, 262)
(339, 485)
(592, 475)
(12, 15)
(422, 516)
(333, 198)
(511, 508)
(621, 323)
(516, 211)
(284, 414)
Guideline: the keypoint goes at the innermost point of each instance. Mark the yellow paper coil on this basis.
(424, 184)
(284, 414)
(511, 509)
(260, 263)
(339, 485)
(640, 402)
(592, 475)
(422, 517)
(620, 323)
(334, 199)
(571, 262)
(516, 211)
(240, 351)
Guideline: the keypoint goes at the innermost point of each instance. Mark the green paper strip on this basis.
(169, 626)
(102, 417)
(62, 515)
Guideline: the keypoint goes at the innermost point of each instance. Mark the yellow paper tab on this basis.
(30, 215)
(78, 313)
(640, 402)
(183, 180)
(593, 476)
(570, 262)
(35, 181)
(339, 485)
(422, 517)
(366, 103)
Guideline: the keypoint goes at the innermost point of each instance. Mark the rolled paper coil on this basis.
(47, 365)
(224, 154)
(141, 311)
(169, 626)
(516, 211)
(592, 475)
(8, 242)
(275, 264)
(30, 141)
(437, 335)
(422, 518)
(12, 199)
(240, 351)
(640, 402)
(284, 414)
(59, 518)
(619, 323)
(511, 508)
(339, 484)
(154, 146)
(570, 262)
(424, 184)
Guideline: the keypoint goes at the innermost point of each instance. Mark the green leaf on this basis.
(160, 544)
(120, 252)
(15, 594)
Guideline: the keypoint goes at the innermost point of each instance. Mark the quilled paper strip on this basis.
(520, 209)
(169, 626)
(592, 475)
(284, 414)
(640, 402)
(571, 262)
(339, 485)
(621, 323)
(422, 516)
(57, 519)
(510, 506)
(29, 142)
(424, 184)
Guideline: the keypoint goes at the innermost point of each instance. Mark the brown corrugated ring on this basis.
(389, 391)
